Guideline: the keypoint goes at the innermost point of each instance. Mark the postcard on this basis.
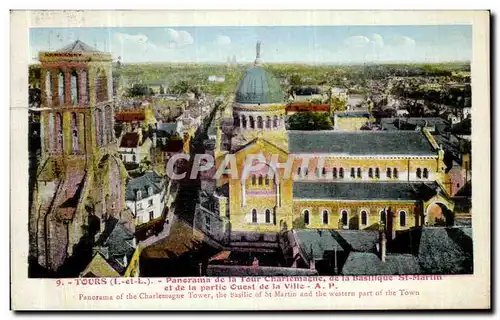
(250, 160)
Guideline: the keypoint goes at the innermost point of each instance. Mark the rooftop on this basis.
(142, 183)
(130, 140)
(413, 143)
(363, 190)
(77, 46)
(366, 263)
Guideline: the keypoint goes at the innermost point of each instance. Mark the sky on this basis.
(280, 44)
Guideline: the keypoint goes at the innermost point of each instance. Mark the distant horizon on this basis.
(320, 45)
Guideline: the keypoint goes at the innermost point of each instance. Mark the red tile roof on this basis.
(130, 116)
(307, 106)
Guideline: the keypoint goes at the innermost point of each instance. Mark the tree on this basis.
(310, 121)
(295, 80)
(140, 89)
(338, 104)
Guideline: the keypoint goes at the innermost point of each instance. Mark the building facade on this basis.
(146, 197)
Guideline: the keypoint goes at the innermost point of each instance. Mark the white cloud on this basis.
(357, 41)
(222, 40)
(377, 40)
(176, 38)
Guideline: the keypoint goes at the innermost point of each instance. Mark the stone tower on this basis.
(80, 183)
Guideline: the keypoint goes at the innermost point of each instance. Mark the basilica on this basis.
(352, 180)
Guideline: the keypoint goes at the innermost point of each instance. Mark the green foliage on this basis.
(140, 90)
(338, 104)
(310, 121)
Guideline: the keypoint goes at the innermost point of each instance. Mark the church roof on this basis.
(259, 87)
(77, 46)
(361, 143)
(364, 190)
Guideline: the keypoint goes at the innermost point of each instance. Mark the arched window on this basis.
(353, 173)
(236, 120)
(74, 137)
(268, 216)
(325, 216)
(359, 172)
(60, 88)
(377, 173)
(275, 121)
(306, 217)
(243, 121)
(395, 171)
(254, 180)
(389, 173)
(402, 218)
(267, 180)
(101, 86)
(426, 173)
(299, 171)
(323, 172)
(261, 182)
(252, 122)
(150, 191)
(334, 173)
(269, 122)
(74, 89)
(341, 173)
(383, 217)
(370, 173)
(364, 218)
(59, 132)
(48, 87)
(344, 219)
(254, 215)
(138, 195)
(419, 173)
(306, 172)
(260, 124)
(134, 158)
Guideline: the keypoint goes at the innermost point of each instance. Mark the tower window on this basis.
(344, 218)
(254, 180)
(402, 218)
(268, 216)
(306, 217)
(370, 173)
(419, 173)
(306, 172)
(269, 122)
(267, 180)
(341, 173)
(323, 172)
(426, 173)
(275, 121)
(325, 216)
(260, 124)
(299, 171)
(334, 173)
(261, 182)
(353, 173)
(395, 171)
(252, 122)
(254, 215)
(383, 217)
(389, 172)
(61, 93)
(377, 173)
(74, 89)
(364, 218)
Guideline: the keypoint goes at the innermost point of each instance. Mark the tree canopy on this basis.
(140, 89)
(310, 121)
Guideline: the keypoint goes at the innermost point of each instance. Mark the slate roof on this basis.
(142, 183)
(365, 263)
(361, 143)
(170, 127)
(118, 245)
(353, 114)
(364, 190)
(77, 46)
(411, 123)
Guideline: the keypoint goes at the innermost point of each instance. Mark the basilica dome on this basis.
(259, 86)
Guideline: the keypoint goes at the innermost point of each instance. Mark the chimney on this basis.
(382, 245)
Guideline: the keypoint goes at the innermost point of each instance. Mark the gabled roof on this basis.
(77, 46)
(361, 143)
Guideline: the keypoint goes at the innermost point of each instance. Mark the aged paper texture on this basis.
(250, 160)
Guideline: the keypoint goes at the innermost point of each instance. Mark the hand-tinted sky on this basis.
(311, 44)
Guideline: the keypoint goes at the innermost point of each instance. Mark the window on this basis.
(359, 172)
(254, 179)
(298, 171)
(261, 181)
(150, 202)
(306, 172)
(252, 122)
(151, 215)
(334, 172)
(383, 217)
(325, 216)
(207, 223)
(139, 194)
(364, 218)
(139, 206)
(353, 173)
(402, 218)
(395, 171)
(419, 173)
(268, 216)
(74, 88)
(254, 215)
(341, 173)
(267, 180)
(323, 172)
(260, 123)
(139, 219)
(134, 158)
(389, 173)
(306, 217)
(426, 173)
(344, 218)
(150, 191)
(370, 173)
(377, 173)
(61, 91)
